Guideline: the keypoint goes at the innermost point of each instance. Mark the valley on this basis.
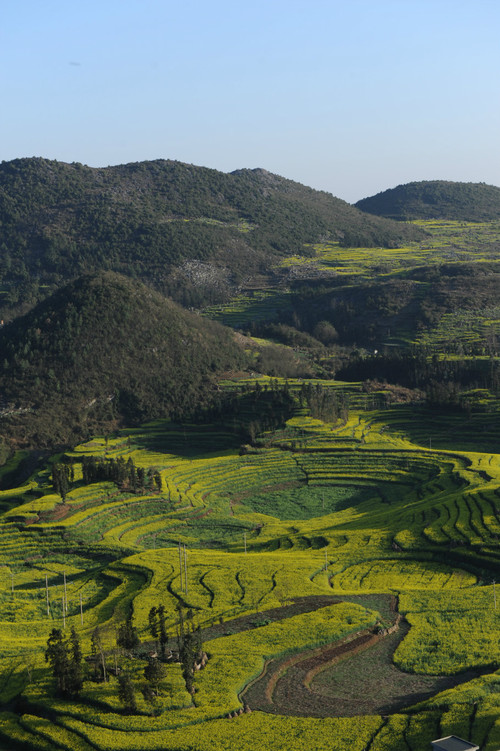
(272, 519)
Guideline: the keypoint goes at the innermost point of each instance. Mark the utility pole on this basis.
(65, 594)
(185, 568)
(63, 613)
(180, 565)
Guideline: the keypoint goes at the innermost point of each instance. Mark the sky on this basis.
(351, 96)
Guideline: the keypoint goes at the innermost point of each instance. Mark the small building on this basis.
(453, 743)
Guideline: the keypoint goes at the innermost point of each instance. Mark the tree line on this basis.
(102, 469)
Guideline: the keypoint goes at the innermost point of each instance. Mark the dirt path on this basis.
(354, 676)
(244, 623)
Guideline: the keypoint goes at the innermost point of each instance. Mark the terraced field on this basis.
(287, 549)
(469, 326)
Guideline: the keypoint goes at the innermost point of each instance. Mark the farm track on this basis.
(303, 685)
(299, 606)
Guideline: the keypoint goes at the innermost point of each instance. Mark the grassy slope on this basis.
(442, 290)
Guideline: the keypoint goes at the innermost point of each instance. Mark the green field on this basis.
(341, 514)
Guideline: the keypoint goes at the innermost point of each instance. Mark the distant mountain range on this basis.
(436, 199)
(193, 233)
(91, 341)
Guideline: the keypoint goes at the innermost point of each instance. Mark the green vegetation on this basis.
(104, 351)
(192, 233)
(436, 199)
(274, 542)
(178, 592)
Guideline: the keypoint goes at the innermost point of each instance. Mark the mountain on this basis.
(104, 350)
(436, 199)
(193, 233)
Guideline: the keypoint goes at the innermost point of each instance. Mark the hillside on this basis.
(103, 350)
(193, 233)
(307, 553)
(409, 303)
(436, 199)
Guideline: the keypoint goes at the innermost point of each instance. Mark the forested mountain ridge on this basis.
(192, 232)
(436, 199)
(106, 350)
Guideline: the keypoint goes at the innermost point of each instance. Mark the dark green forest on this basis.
(107, 350)
(365, 312)
(191, 232)
(436, 199)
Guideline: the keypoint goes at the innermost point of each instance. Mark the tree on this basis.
(75, 676)
(157, 627)
(153, 627)
(150, 697)
(162, 629)
(57, 655)
(154, 672)
(190, 651)
(97, 655)
(326, 333)
(157, 481)
(126, 693)
(61, 475)
(127, 637)
(65, 658)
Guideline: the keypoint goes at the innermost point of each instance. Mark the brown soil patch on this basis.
(244, 623)
(61, 511)
(355, 676)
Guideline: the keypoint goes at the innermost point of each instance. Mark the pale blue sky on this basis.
(351, 97)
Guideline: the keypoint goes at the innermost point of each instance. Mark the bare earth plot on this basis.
(345, 679)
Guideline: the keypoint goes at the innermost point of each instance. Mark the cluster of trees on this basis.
(123, 473)
(251, 410)
(279, 362)
(436, 199)
(324, 403)
(266, 407)
(441, 379)
(106, 351)
(285, 334)
(157, 628)
(64, 656)
(63, 475)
